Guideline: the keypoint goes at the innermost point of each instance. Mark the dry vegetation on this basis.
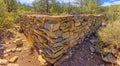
(110, 34)
(111, 38)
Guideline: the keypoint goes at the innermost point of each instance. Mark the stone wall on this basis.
(54, 36)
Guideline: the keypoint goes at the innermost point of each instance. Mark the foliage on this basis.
(6, 19)
(112, 13)
(52, 6)
(41, 6)
(22, 11)
(3, 10)
(11, 5)
(110, 34)
(55, 9)
(90, 7)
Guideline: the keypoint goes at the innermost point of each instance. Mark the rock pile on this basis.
(10, 62)
(55, 35)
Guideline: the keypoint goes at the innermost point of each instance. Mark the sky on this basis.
(110, 2)
(104, 2)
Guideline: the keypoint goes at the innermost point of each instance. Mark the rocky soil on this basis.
(86, 55)
(15, 54)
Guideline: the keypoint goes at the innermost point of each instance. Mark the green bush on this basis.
(112, 13)
(23, 11)
(55, 9)
(6, 19)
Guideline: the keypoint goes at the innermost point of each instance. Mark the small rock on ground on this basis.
(93, 41)
(18, 49)
(12, 64)
(118, 62)
(13, 49)
(13, 59)
(7, 50)
(3, 61)
(41, 60)
(92, 49)
(102, 65)
(5, 55)
(109, 58)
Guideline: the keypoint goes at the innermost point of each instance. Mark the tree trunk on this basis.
(47, 6)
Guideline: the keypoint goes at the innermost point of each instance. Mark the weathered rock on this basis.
(65, 35)
(13, 49)
(42, 61)
(7, 50)
(113, 51)
(91, 57)
(5, 55)
(13, 59)
(52, 25)
(18, 49)
(19, 43)
(93, 41)
(3, 61)
(102, 65)
(66, 57)
(109, 58)
(12, 64)
(118, 62)
(24, 41)
(92, 49)
(1, 47)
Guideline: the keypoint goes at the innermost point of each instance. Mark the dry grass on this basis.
(111, 33)
(110, 36)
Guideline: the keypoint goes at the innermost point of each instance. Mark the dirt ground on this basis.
(25, 58)
(82, 56)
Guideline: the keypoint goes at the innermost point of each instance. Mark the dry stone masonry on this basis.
(54, 36)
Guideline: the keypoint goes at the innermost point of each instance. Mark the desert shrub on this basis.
(6, 19)
(2, 10)
(112, 13)
(110, 36)
(7, 22)
(55, 9)
(22, 11)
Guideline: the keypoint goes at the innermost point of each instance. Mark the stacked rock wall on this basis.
(55, 35)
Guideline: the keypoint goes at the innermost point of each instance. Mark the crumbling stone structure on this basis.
(54, 36)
